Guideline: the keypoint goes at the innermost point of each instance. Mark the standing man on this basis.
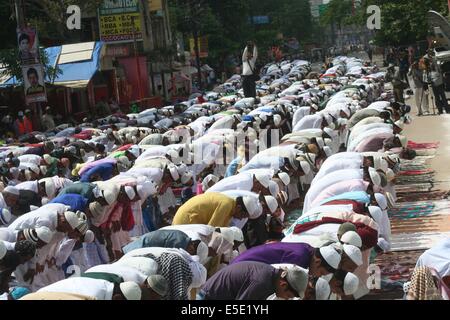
(22, 125)
(420, 92)
(47, 120)
(438, 89)
(249, 70)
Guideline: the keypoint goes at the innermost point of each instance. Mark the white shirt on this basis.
(249, 65)
(242, 181)
(97, 288)
(31, 158)
(127, 273)
(28, 185)
(44, 216)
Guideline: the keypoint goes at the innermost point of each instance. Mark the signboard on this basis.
(34, 83)
(120, 21)
(118, 51)
(27, 40)
(202, 47)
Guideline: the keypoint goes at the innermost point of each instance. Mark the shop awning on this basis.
(77, 62)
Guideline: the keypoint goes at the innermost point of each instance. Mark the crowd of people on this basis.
(190, 201)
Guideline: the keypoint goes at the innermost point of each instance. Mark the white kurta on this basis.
(99, 289)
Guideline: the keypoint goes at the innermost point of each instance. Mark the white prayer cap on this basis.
(283, 197)
(306, 168)
(237, 233)
(403, 140)
(263, 117)
(394, 158)
(252, 206)
(354, 253)
(5, 216)
(34, 168)
(49, 187)
(328, 142)
(174, 156)
(207, 179)
(3, 249)
(328, 151)
(131, 290)
(277, 119)
(274, 189)
(383, 244)
(264, 179)
(331, 256)
(400, 124)
(43, 169)
(320, 142)
(351, 237)
(134, 150)
(380, 164)
(72, 219)
(186, 177)
(390, 175)
(44, 234)
(351, 283)
(376, 213)
(202, 252)
(323, 289)
(381, 201)
(298, 279)
(284, 177)
(12, 190)
(330, 132)
(271, 203)
(130, 192)
(110, 195)
(314, 106)
(227, 234)
(89, 236)
(173, 172)
(182, 168)
(374, 177)
(159, 284)
(146, 189)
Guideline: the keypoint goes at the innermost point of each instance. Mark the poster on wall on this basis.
(34, 83)
(28, 43)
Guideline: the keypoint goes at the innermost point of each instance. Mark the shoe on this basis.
(426, 113)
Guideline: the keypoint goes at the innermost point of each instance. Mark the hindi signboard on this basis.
(119, 21)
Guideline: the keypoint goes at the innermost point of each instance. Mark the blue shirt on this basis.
(232, 167)
(104, 170)
(76, 202)
(359, 196)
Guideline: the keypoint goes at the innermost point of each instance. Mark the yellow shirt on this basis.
(214, 209)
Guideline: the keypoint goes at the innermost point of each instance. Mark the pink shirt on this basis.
(340, 187)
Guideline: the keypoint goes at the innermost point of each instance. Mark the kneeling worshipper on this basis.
(319, 262)
(250, 280)
(216, 209)
(95, 289)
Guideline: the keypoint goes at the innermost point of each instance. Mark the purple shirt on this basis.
(299, 254)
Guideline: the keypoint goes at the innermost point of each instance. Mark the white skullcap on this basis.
(263, 117)
(174, 156)
(89, 236)
(354, 253)
(384, 245)
(274, 189)
(314, 106)
(277, 119)
(72, 219)
(252, 206)
(403, 140)
(173, 172)
(3, 249)
(12, 190)
(44, 234)
(351, 283)
(227, 234)
(134, 150)
(186, 177)
(284, 177)
(390, 175)
(328, 142)
(320, 143)
(131, 290)
(328, 151)
(351, 237)
(380, 164)
(306, 168)
(374, 177)
(331, 256)
(271, 203)
(146, 189)
(202, 252)
(376, 214)
(400, 124)
(49, 187)
(264, 179)
(5, 216)
(182, 168)
(381, 201)
(34, 168)
(330, 132)
(323, 289)
(110, 195)
(237, 233)
(130, 192)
